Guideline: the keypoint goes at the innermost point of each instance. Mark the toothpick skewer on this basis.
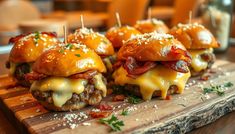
(190, 17)
(65, 34)
(149, 13)
(82, 21)
(118, 20)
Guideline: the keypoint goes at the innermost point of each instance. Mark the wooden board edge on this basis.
(21, 128)
(193, 120)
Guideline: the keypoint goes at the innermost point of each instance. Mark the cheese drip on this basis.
(158, 78)
(63, 88)
(12, 68)
(198, 64)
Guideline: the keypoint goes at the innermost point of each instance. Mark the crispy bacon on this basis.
(16, 38)
(100, 114)
(34, 76)
(182, 54)
(52, 34)
(205, 77)
(119, 97)
(133, 68)
(179, 66)
(87, 75)
(117, 64)
(168, 97)
(104, 106)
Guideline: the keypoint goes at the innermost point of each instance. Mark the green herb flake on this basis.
(105, 41)
(228, 84)
(78, 55)
(219, 89)
(134, 99)
(61, 51)
(124, 112)
(69, 46)
(112, 122)
(37, 37)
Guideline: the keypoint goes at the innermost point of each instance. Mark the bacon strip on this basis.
(181, 54)
(179, 66)
(133, 68)
(16, 38)
(34, 76)
(87, 75)
(37, 76)
(117, 64)
(101, 114)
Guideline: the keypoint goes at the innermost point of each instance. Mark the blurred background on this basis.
(23, 16)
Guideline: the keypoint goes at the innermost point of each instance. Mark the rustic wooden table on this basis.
(223, 125)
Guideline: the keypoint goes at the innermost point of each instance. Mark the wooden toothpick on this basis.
(149, 13)
(190, 17)
(65, 34)
(82, 22)
(118, 20)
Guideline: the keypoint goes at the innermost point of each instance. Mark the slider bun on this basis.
(95, 41)
(26, 50)
(148, 26)
(66, 107)
(153, 47)
(119, 34)
(194, 36)
(65, 62)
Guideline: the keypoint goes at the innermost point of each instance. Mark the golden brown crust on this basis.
(148, 26)
(194, 36)
(66, 61)
(153, 47)
(27, 48)
(99, 43)
(117, 35)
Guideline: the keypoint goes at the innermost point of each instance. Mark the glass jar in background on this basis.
(217, 17)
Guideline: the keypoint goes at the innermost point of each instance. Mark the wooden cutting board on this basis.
(181, 114)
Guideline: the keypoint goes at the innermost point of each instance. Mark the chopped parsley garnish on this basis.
(61, 51)
(170, 38)
(78, 55)
(105, 41)
(113, 122)
(69, 46)
(133, 99)
(37, 36)
(219, 89)
(124, 112)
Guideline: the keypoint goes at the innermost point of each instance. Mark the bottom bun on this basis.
(135, 90)
(65, 107)
(77, 101)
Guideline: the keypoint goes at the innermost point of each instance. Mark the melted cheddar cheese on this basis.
(198, 64)
(158, 78)
(63, 88)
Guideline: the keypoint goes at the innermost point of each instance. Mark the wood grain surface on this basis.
(183, 113)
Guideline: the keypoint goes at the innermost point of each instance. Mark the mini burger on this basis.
(152, 64)
(97, 42)
(151, 25)
(199, 42)
(68, 78)
(26, 49)
(117, 35)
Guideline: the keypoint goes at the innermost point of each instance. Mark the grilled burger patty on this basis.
(209, 58)
(19, 72)
(135, 90)
(90, 96)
